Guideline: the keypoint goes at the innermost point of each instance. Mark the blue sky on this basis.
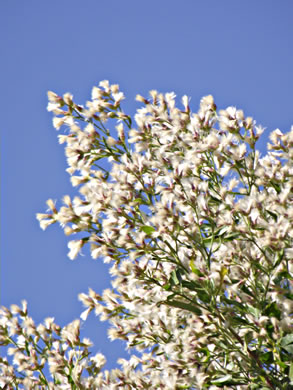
(238, 51)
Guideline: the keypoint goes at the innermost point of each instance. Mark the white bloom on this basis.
(74, 246)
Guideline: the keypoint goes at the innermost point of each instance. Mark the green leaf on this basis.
(287, 343)
(246, 290)
(184, 306)
(273, 215)
(231, 236)
(253, 310)
(194, 286)
(281, 364)
(276, 186)
(195, 270)
(222, 380)
(272, 310)
(233, 303)
(203, 296)
(289, 348)
(147, 229)
(282, 276)
(237, 320)
(167, 286)
(138, 200)
(286, 340)
(208, 240)
(291, 372)
(175, 277)
(267, 357)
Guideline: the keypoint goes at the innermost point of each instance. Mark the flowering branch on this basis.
(198, 228)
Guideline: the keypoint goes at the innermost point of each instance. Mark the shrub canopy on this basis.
(197, 226)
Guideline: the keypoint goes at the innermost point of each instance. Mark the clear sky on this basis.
(239, 51)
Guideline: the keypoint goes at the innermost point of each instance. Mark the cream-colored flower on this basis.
(74, 248)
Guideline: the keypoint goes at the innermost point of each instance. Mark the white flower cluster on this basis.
(198, 228)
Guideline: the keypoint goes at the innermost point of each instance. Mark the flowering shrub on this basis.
(198, 229)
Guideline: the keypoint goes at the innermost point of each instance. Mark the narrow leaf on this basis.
(147, 229)
(222, 380)
(184, 306)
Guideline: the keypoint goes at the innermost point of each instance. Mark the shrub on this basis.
(197, 226)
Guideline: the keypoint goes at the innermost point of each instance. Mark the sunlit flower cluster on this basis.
(198, 228)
